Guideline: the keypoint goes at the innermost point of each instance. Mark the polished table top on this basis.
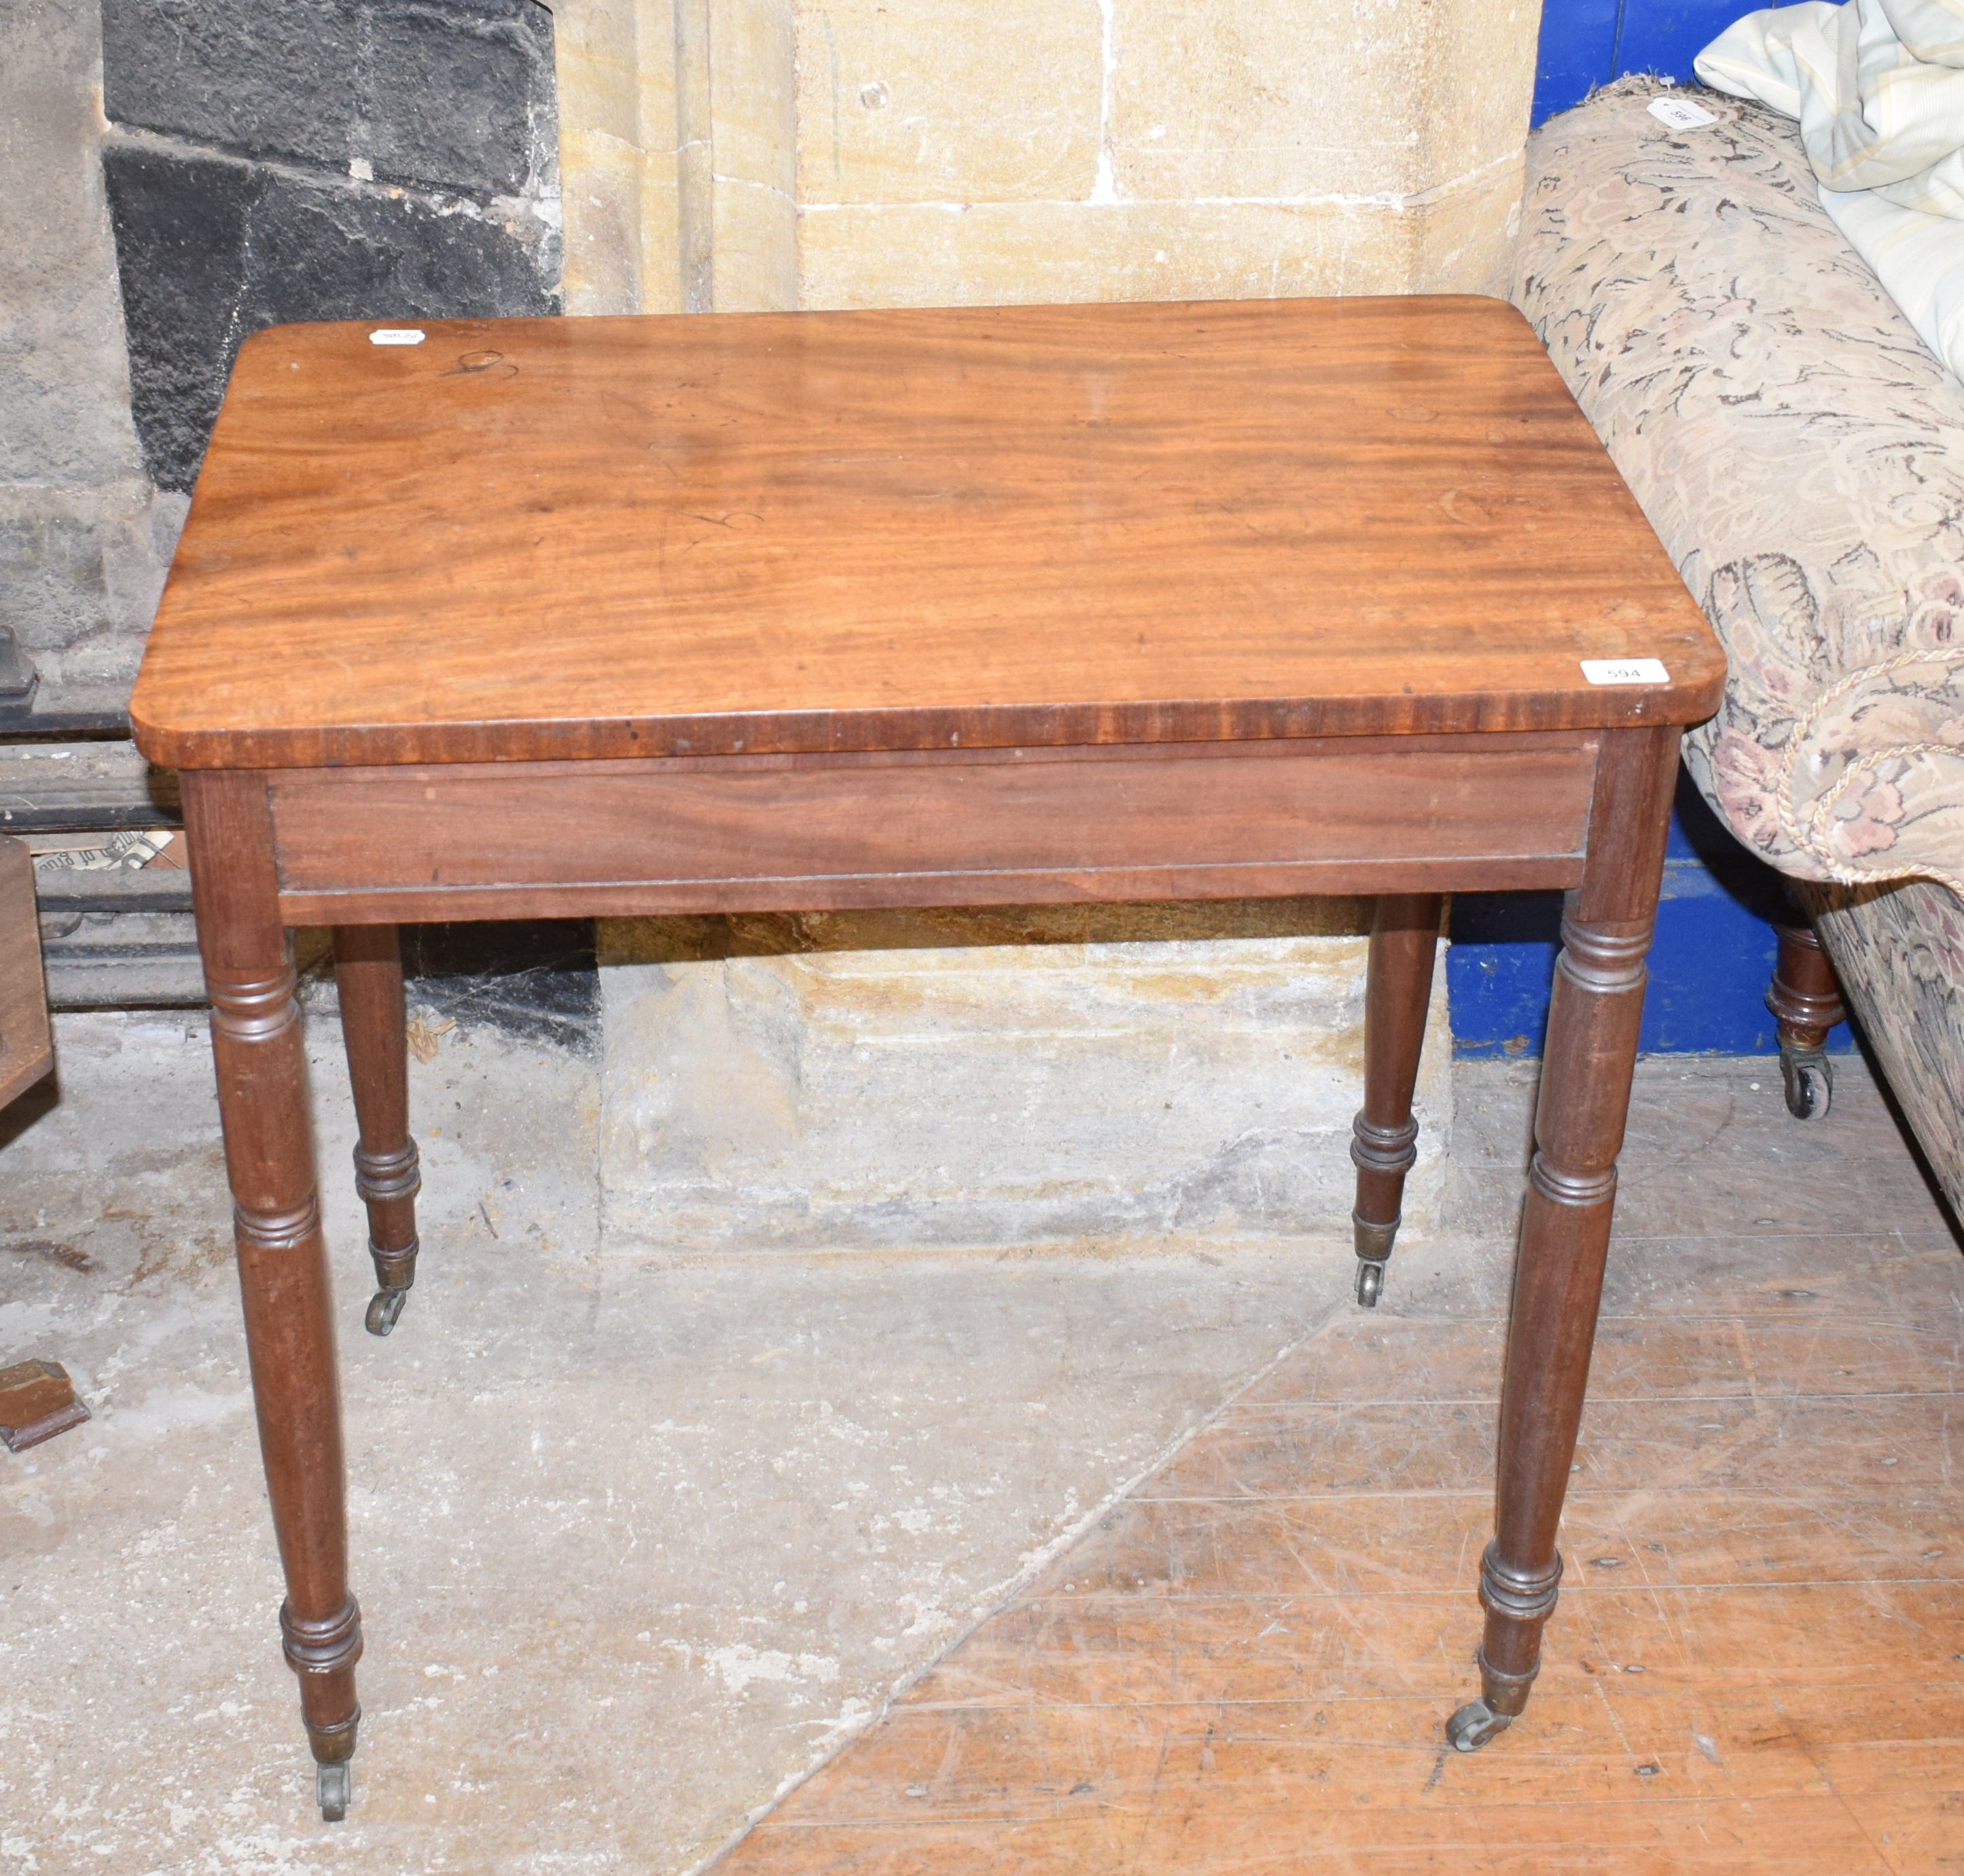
(572, 538)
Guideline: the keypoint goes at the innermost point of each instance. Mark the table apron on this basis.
(464, 841)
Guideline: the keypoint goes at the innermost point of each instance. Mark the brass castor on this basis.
(395, 1273)
(1373, 1244)
(1809, 1080)
(333, 1786)
(1474, 1725)
(383, 1308)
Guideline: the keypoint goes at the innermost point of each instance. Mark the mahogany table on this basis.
(512, 619)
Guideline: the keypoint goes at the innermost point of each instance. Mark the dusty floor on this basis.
(638, 1540)
(635, 1538)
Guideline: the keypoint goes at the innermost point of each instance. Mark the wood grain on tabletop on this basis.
(583, 538)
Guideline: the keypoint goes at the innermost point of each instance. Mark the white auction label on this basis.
(1625, 670)
(396, 336)
(1681, 113)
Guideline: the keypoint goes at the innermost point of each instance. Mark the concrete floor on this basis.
(640, 1539)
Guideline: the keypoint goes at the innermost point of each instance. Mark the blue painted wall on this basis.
(1709, 965)
(1588, 43)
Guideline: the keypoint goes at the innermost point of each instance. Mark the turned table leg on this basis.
(1586, 1063)
(1404, 941)
(283, 1278)
(368, 971)
(1806, 1003)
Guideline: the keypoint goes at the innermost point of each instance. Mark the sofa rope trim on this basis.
(1811, 838)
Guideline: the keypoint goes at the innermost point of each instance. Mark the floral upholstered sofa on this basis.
(1801, 455)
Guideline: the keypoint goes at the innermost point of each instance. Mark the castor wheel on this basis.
(383, 1308)
(1372, 1242)
(1809, 1080)
(333, 1786)
(395, 1270)
(1474, 1725)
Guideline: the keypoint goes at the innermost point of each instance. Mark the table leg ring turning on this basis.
(322, 1652)
(1518, 1603)
(388, 1183)
(1384, 1144)
(1382, 1155)
(368, 977)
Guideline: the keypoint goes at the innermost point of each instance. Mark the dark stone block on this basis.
(180, 224)
(275, 81)
(330, 253)
(456, 96)
(210, 250)
(535, 979)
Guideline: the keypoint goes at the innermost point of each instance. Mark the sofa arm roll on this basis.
(1797, 450)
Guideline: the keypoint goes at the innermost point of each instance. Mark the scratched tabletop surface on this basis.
(585, 538)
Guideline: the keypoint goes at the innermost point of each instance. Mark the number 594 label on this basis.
(1625, 670)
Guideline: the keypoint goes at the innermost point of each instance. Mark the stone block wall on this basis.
(84, 536)
(449, 96)
(1132, 149)
(180, 172)
(318, 159)
(1102, 1074)
(848, 152)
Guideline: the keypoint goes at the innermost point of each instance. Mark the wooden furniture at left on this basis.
(1001, 605)
(37, 1399)
(27, 1052)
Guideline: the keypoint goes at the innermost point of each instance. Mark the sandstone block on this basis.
(1228, 101)
(1463, 237)
(615, 65)
(1037, 252)
(998, 104)
(1478, 87)
(867, 1099)
(752, 69)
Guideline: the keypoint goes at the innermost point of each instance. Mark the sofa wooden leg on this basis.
(1806, 1003)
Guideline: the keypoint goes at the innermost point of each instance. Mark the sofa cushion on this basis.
(1800, 453)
